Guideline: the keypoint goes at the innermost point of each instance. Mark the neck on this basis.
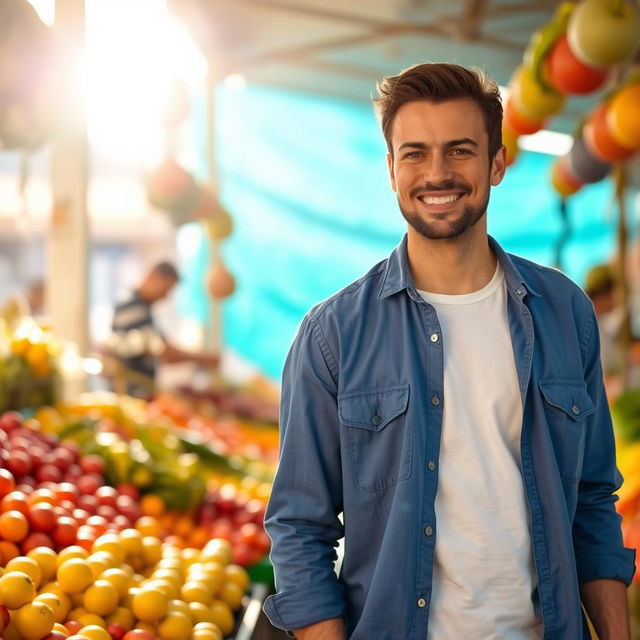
(451, 267)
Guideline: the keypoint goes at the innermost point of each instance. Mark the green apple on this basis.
(604, 32)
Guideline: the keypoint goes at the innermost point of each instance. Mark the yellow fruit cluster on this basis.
(126, 578)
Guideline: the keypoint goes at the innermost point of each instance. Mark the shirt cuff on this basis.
(296, 609)
(614, 563)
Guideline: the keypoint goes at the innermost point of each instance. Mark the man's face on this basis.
(440, 169)
(161, 287)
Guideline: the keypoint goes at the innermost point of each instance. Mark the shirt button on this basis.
(575, 410)
(435, 401)
(376, 420)
(519, 291)
(428, 531)
(431, 465)
(434, 337)
(422, 603)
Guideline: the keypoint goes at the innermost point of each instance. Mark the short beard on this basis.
(453, 229)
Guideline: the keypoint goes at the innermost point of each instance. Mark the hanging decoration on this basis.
(583, 48)
(29, 73)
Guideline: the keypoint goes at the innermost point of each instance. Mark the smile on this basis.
(440, 199)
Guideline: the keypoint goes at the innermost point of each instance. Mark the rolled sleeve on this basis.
(306, 499)
(597, 534)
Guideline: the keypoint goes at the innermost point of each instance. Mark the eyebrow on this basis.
(447, 145)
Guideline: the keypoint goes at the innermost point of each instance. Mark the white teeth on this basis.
(439, 199)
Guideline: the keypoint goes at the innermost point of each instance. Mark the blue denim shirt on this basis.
(361, 421)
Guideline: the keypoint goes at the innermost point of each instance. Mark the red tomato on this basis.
(89, 483)
(73, 448)
(72, 474)
(5, 618)
(15, 501)
(62, 458)
(92, 464)
(138, 634)
(128, 490)
(10, 420)
(64, 535)
(42, 517)
(88, 503)
(43, 494)
(73, 625)
(107, 495)
(36, 539)
(19, 463)
(48, 473)
(7, 482)
(117, 631)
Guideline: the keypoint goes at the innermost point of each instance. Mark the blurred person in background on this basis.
(136, 341)
(445, 416)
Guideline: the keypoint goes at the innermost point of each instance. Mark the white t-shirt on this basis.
(483, 577)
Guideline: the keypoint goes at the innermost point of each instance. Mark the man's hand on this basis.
(332, 629)
(605, 602)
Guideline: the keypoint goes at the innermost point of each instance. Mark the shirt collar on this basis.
(397, 276)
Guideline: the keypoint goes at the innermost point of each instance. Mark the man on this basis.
(138, 343)
(445, 414)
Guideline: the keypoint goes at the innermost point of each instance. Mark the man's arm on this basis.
(605, 602)
(172, 354)
(302, 515)
(604, 565)
(326, 630)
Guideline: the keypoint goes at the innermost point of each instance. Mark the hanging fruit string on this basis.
(622, 280)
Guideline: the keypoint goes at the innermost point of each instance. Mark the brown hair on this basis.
(438, 82)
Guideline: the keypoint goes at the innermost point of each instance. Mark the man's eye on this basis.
(461, 152)
(413, 154)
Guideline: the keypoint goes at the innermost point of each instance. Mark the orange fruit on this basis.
(101, 597)
(150, 604)
(74, 551)
(121, 616)
(47, 561)
(622, 117)
(236, 573)
(59, 604)
(232, 594)
(95, 632)
(120, 580)
(194, 591)
(34, 620)
(152, 548)
(14, 526)
(131, 542)
(16, 589)
(91, 619)
(8, 550)
(110, 542)
(207, 634)
(152, 505)
(176, 626)
(149, 526)
(75, 575)
(220, 614)
(60, 628)
(26, 565)
(217, 550)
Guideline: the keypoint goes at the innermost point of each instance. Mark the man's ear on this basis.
(498, 166)
(392, 176)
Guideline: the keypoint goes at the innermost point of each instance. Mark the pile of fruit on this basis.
(28, 374)
(89, 561)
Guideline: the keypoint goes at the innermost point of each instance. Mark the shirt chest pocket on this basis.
(379, 443)
(567, 405)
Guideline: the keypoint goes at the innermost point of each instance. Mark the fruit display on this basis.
(80, 558)
(28, 371)
(197, 477)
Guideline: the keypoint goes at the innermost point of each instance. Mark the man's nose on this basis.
(438, 168)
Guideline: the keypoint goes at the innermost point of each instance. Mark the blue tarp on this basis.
(305, 179)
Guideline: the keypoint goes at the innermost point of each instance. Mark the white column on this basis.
(66, 276)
